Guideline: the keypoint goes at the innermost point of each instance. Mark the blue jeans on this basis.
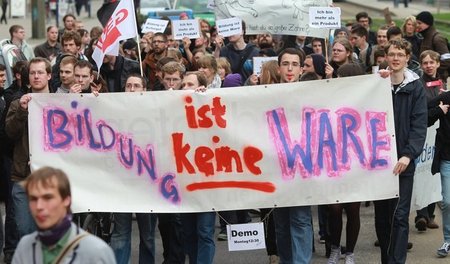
(392, 225)
(121, 237)
(198, 231)
(445, 180)
(294, 233)
(24, 221)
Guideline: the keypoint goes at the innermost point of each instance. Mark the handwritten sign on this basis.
(252, 147)
(154, 25)
(259, 61)
(186, 28)
(325, 17)
(229, 26)
(276, 17)
(246, 237)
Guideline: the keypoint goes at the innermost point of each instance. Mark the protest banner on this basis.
(285, 17)
(229, 26)
(325, 17)
(185, 28)
(154, 25)
(259, 61)
(316, 142)
(427, 187)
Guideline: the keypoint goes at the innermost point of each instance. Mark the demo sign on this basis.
(325, 17)
(246, 236)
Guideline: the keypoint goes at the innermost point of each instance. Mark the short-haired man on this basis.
(66, 74)
(361, 47)
(116, 69)
(17, 33)
(364, 20)
(50, 48)
(16, 127)
(159, 46)
(172, 75)
(69, 25)
(135, 83)
(83, 77)
(293, 226)
(392, 215)
(58, 240)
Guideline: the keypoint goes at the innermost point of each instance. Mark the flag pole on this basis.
(138, 40)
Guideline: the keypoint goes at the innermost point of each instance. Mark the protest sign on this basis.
(227, 149)
(229, 26)
(259, 61)
(325, 17)
(285, 17)
(186, 28)
(246, 236)
(427, 187)
(154, 25)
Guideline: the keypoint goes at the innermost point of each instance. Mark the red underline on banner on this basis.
(257, 186)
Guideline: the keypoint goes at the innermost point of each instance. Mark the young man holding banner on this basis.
(410, 117)
(293, 225)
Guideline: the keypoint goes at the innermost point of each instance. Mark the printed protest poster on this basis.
(427, 187)
(229, 26)
(285, 17)
(325, 17)
(186, 28)
(226, 149)
(154, 25)
(246, 236)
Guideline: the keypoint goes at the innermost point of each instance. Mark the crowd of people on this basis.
(414, 56)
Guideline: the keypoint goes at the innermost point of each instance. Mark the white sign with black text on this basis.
(154, 25)
(246, 236)
(325, 17)
(186, 28)
(258, 63)
(229, 26)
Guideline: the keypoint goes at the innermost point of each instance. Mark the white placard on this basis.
(259, 61)
(186, 28)
(18, 8)
(229, 26)
(246, 237)
(325, 17)
(154, 25)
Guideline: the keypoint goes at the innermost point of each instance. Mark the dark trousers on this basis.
(391, 223)
(269, 226)
(171, 231)
(3, 18)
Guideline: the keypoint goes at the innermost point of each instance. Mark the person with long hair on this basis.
(342, 53)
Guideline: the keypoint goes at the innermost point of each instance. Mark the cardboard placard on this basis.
(154, 25)
(185, 28)
(229, 26)
(325, 17)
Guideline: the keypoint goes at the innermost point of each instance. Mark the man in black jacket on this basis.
(410, 119)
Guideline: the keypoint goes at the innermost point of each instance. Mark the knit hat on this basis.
(129, 44)
(426, 17)
(319, 64)
(336, 31)
(232, 80)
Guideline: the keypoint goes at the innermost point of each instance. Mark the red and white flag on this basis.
(121, 25)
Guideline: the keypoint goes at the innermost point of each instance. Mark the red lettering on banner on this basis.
(110, 32)
(209, 161)
(200, 117)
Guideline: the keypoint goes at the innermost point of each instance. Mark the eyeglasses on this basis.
(398, 55)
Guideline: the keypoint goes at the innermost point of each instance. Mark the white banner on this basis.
(427, 187)
(285, 17)
(315, 142)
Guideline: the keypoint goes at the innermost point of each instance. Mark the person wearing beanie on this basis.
(433, 40)
(316, 63)
(232, 80)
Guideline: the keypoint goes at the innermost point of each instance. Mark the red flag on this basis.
(121, 25)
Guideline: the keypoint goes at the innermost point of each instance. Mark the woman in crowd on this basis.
(208, 65)
(223, 67)
(409, 29)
